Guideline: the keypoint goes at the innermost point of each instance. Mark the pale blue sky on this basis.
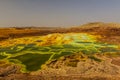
(57, 13)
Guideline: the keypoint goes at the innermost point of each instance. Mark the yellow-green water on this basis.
(32, 56)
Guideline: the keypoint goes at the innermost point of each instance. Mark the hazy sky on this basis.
(57, 12)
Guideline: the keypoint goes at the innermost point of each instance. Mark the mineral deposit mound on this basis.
(88, 52)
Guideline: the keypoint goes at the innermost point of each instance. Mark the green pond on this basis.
(32, 61)
(33, 56)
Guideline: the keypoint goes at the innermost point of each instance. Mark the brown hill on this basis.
(99, 28)
(110, 32)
